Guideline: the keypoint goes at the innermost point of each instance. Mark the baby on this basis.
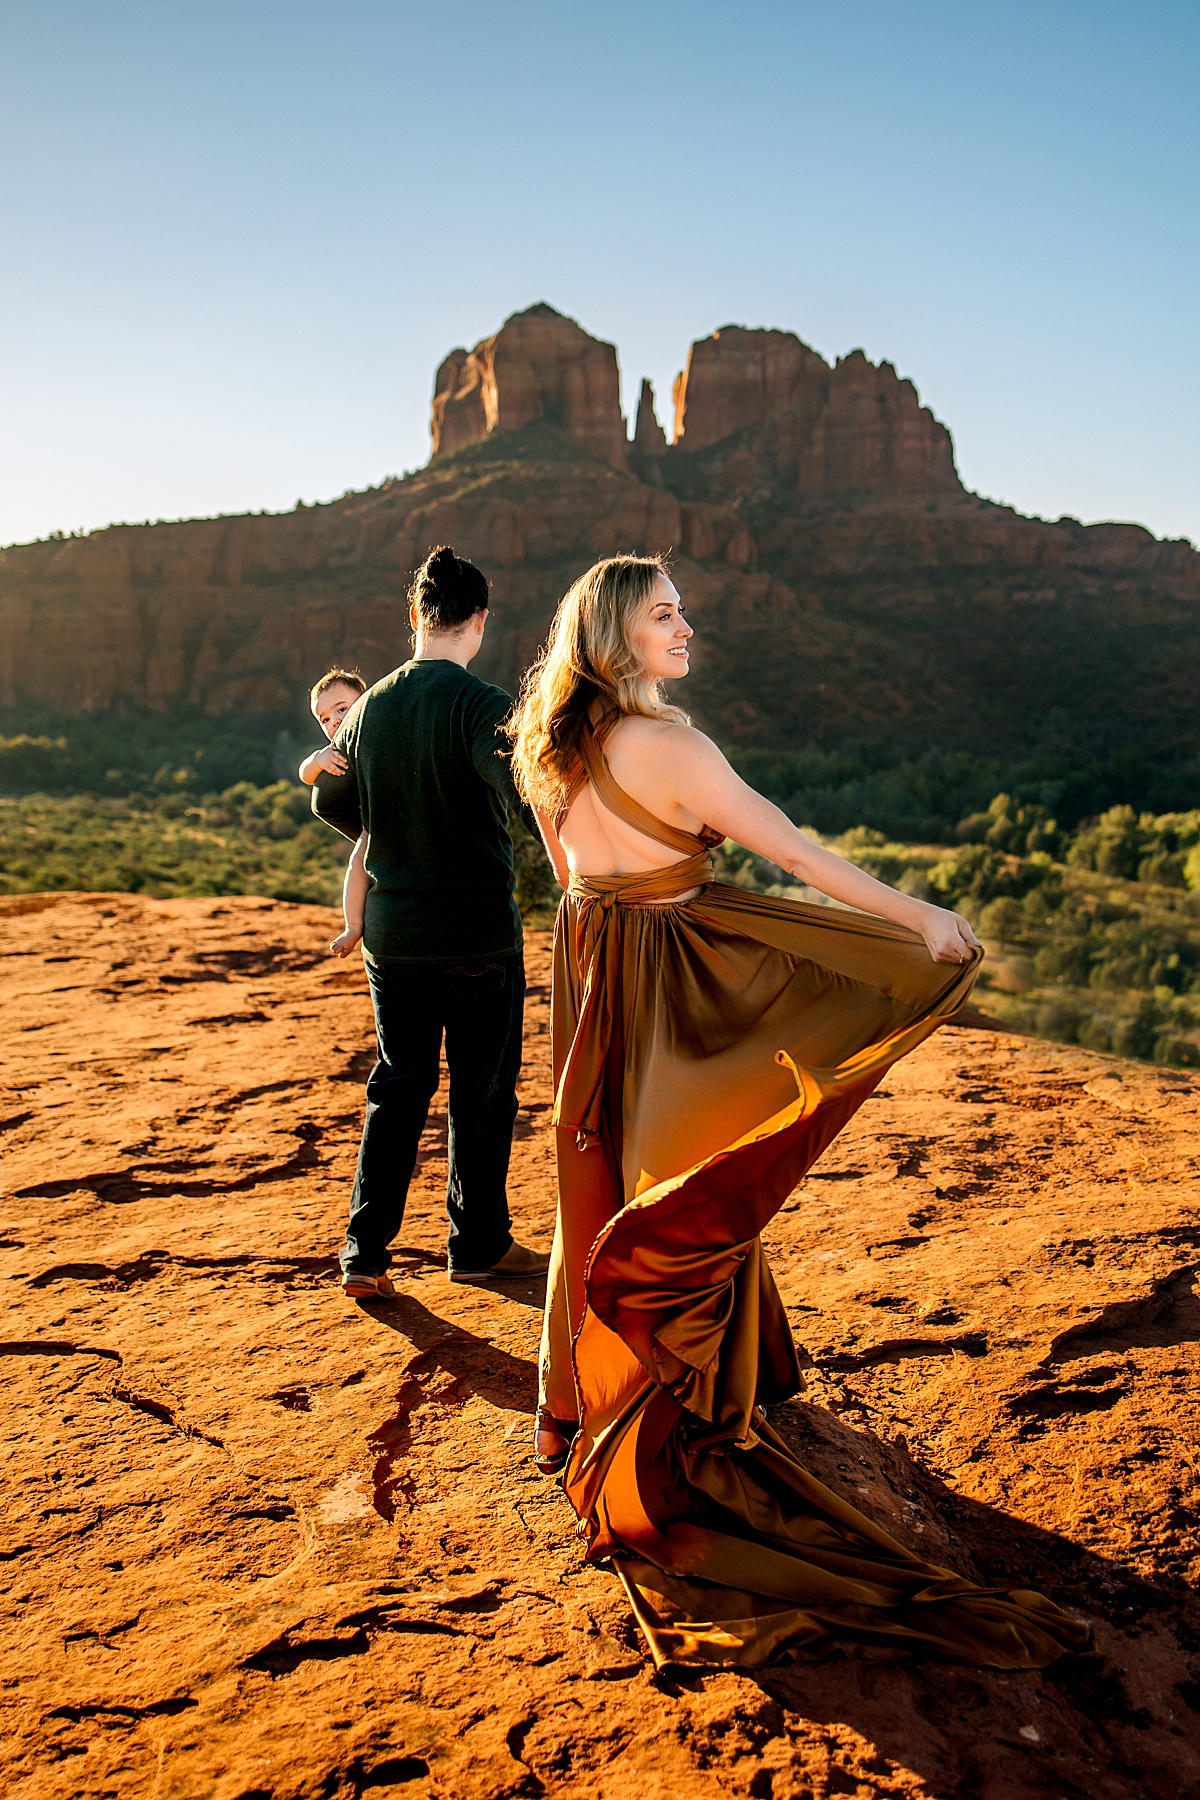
(331, 699)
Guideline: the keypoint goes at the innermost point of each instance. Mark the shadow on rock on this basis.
(1121, 1725)
(505, 1381)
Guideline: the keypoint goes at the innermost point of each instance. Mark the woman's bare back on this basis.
(640, 755)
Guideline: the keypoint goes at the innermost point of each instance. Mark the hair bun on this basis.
(441, 566)
(447, 590)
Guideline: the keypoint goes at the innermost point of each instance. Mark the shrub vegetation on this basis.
(1089, 907)
(1093, 935)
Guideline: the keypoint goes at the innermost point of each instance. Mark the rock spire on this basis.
(649, 438)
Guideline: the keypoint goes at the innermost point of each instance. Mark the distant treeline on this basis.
(1093, 934)
(170, 844)
(922, 798)
(121, 753)
(926, 799)
(1082, 875)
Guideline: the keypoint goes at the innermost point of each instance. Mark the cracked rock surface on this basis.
(259, 1543)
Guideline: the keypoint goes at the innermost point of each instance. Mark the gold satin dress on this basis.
(705, 1053)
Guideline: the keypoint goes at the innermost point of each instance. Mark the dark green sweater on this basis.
(429, 782)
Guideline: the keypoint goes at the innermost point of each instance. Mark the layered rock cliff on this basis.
(777, 412)
(844, 583)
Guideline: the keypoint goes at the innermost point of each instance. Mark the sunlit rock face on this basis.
(538, 366)
(779, 412)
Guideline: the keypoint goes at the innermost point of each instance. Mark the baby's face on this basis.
(333, 703)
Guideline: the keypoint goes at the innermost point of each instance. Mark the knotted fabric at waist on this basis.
(648, 886)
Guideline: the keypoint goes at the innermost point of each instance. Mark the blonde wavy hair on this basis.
(587, 666)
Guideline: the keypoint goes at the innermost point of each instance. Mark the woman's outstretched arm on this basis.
(703, 782)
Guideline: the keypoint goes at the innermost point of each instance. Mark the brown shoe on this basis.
(552, 1440)
(368, 1287)
(517, 1264)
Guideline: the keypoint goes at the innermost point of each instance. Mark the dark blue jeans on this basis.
(479, 1006)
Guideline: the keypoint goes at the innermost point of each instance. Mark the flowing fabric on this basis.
(706, 1051)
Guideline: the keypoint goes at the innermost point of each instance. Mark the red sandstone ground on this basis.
(261, 1544)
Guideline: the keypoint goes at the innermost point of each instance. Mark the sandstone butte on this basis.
(845, 582)
(262, 1544)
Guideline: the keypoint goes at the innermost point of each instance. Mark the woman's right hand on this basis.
(948, 937)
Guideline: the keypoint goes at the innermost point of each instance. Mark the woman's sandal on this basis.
(552, 1439)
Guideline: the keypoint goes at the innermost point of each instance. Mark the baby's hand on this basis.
(322, 762)
(344, 943)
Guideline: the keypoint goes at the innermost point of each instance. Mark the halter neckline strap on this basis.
(690, 845)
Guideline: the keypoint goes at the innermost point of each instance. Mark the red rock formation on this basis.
(854, 430)
(232, 614)
(460, 413)
(539, 365)
(649, 438)
(844, 583)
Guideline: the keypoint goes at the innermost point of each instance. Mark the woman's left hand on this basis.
(948, 937)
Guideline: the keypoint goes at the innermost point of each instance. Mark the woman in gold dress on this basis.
(708, 1044)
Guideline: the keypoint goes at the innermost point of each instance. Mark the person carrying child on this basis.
(418, 776)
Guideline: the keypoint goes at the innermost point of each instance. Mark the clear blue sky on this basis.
(239, 235)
